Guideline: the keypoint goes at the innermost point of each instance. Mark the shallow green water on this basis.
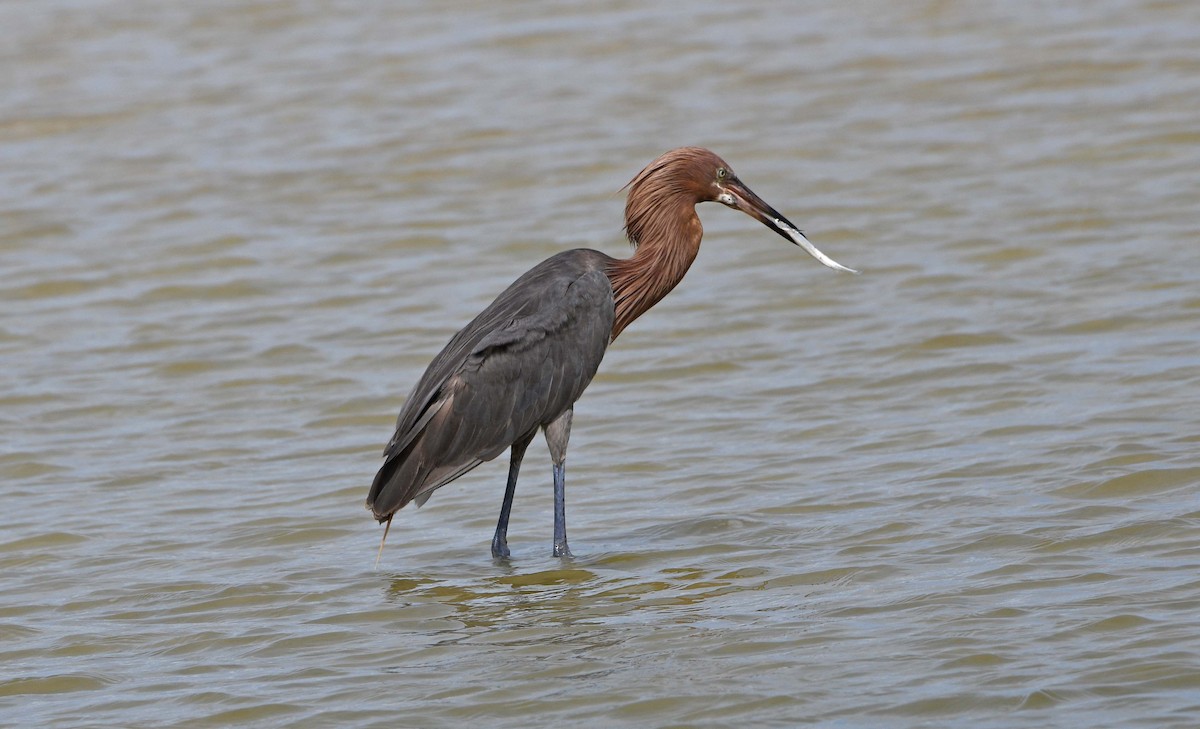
(960, 488)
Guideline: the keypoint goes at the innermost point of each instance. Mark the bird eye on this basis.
(722, 173)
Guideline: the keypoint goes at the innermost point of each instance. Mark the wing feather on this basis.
(518, 365)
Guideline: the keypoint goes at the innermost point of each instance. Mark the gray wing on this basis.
(521, 363)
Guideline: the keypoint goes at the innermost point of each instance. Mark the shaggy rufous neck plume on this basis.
(662, 225)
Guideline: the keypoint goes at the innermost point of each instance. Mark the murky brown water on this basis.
(961, 488)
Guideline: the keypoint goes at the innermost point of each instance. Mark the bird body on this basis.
(518, 366)
(521, 364)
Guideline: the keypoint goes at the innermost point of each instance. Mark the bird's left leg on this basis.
(558, 431)
(516, 453)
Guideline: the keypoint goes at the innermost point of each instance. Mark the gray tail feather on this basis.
(387, 494)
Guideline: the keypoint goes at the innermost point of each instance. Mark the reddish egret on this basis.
(524, 361)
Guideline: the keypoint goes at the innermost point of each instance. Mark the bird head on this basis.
(702, 176)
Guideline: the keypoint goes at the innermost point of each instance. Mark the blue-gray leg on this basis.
(517, 452)
(557, 433)
(560, 511)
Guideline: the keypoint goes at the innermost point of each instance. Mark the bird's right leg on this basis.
(558, 432)
(516, 453)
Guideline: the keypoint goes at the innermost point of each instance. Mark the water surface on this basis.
(961, 487)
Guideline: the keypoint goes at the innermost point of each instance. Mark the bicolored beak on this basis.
(739, 197)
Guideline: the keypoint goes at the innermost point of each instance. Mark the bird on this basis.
(523, 362)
